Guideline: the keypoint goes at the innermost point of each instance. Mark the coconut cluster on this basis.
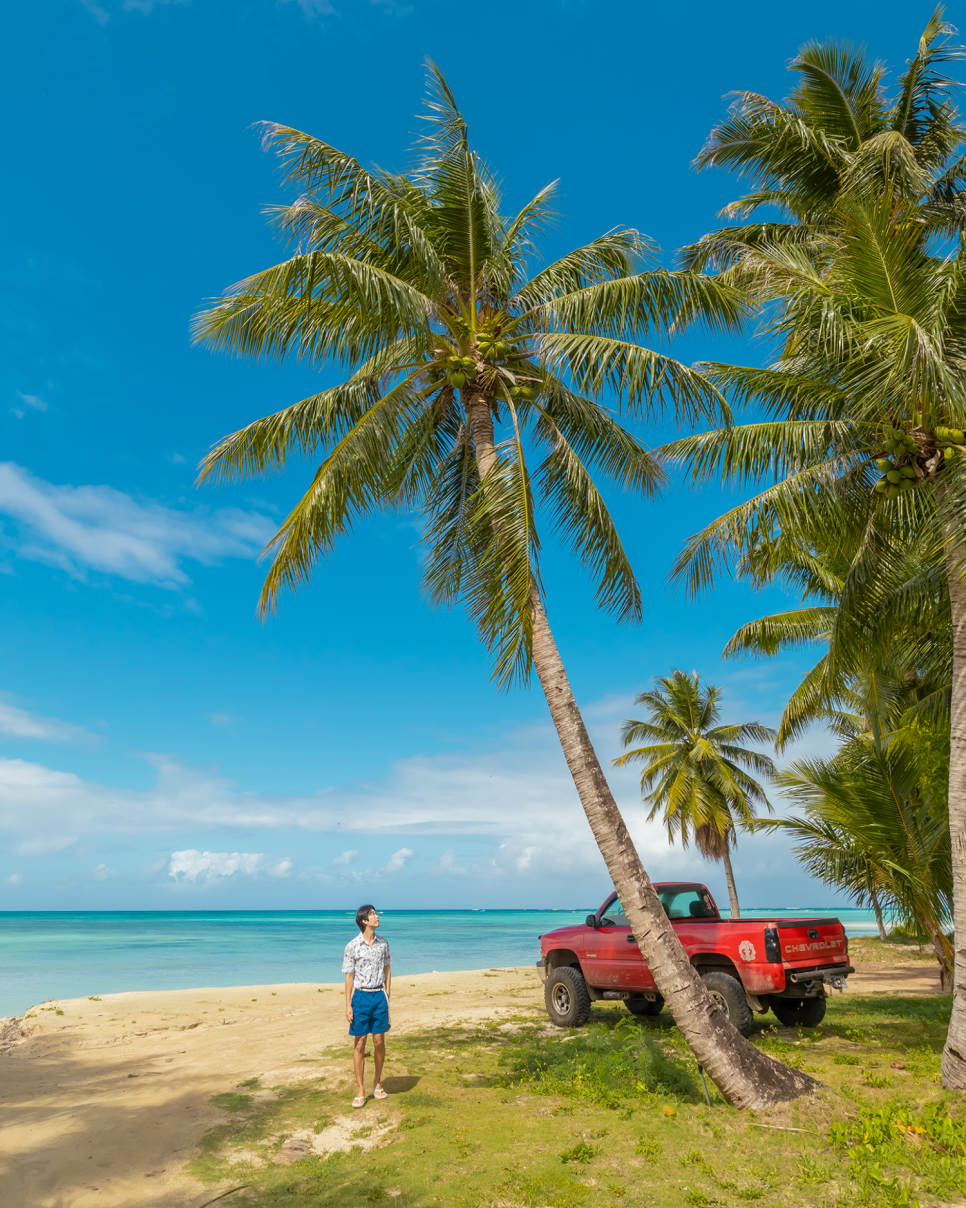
(491, 350)
(911, 461)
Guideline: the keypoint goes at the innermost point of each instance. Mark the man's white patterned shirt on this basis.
(364, 963)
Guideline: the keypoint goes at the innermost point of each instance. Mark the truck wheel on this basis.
(644, 1006)
(568, 1003)
(800, 1012)
(727, 993)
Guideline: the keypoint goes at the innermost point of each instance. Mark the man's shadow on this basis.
(398, 1086)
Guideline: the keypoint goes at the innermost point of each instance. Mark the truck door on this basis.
(612, 958)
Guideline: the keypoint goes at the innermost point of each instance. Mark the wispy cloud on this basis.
(29, 400)
(14, 879)
(99, 14)
(18, 723)
(398, 859)
(346, 858)
(98, 528)
(313, 8)
(45, 845)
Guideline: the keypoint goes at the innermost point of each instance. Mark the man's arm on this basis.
(386, 978)
(349, 979)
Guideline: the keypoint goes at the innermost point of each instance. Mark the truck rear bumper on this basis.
(806, 983)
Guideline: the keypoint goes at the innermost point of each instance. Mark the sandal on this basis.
(379, 1093)
(359, 1101)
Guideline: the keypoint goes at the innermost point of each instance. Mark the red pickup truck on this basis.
(747, 964)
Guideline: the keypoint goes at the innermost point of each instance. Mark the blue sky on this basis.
(160, 747)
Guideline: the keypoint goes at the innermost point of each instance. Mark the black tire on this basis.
(567, 998)
(727, 992)
(644, 1006)
(800, 1012)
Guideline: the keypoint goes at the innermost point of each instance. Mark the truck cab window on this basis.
(614, 915)
(688, 902)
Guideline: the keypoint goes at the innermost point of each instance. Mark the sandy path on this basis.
(104, 1104)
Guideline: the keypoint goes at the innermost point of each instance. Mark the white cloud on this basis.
(224, 719)
(103, 873)
(18, 723)
(102, 529)
(514, 801)
(447, 863)
(46, 845)
(209, 866)
(15, 879)
(398, 859)
(145, 6)
(313, 8)
(95, 10)
(32, 400)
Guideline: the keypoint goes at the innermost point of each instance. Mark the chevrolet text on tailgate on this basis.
(748, 965)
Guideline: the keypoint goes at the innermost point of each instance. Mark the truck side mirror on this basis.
(591, 921)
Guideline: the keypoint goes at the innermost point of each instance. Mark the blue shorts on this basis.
(370, 1013)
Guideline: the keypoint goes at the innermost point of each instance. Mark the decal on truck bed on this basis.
(746, 950)
(813, 947)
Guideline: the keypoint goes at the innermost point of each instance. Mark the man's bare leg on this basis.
(378, 1057)
(359, 1063)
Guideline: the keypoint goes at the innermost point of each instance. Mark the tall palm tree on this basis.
(467, 360)
(695, 769)
(872, 335)
(868, 318)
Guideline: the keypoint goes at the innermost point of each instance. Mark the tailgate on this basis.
(812, 942)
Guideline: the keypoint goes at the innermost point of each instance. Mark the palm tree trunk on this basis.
(730, 878)
(878, 915)
(746, 1077)
(954, 1053)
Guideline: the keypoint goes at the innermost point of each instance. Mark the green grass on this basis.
(613, 1115)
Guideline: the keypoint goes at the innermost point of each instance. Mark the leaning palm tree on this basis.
(867, 406)
(695, 768)
(472, 399)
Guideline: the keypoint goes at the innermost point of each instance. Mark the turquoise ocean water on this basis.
(67, 954)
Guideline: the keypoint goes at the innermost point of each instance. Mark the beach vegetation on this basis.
(698, 773)
(476, 394)
(502, 1140)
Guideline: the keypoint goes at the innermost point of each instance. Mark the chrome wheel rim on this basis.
(561, 998)
(719, 1001)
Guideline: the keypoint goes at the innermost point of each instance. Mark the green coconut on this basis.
(880, 486)
(950, 455)
(883, 464)
(894, 476)
(908, 472)
(457, 379)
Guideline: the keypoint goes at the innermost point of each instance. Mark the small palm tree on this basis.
(695, 769)
(471, 398)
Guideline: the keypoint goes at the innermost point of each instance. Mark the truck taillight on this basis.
(773, 949)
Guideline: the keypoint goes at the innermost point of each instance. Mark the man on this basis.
(367, 977)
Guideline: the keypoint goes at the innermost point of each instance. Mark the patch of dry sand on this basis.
(103, 1105)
